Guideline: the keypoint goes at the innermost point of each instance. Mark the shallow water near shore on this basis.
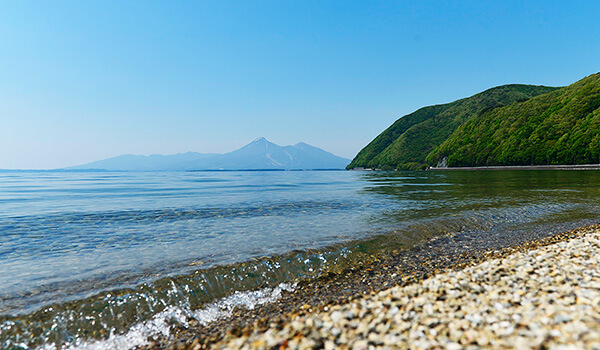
(106, 259)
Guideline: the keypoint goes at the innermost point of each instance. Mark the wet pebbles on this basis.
(539, 294)
(547, 297)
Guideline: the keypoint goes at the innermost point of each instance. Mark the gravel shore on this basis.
(541, 297)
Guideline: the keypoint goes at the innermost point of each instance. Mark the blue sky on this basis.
(86, 80)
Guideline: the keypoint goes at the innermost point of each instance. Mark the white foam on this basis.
(160, 325)
(249, 300)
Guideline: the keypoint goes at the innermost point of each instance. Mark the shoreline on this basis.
(394, 270)
(500, 167)
(542, 298)
(523, 167)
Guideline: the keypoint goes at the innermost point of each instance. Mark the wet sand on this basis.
(340, 291)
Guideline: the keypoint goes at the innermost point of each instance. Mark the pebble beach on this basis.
(541, 298)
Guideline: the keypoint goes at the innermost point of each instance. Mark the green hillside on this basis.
(406, 144)
(561, 127)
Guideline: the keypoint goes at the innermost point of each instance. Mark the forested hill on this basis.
(407, 143)
(561, 127)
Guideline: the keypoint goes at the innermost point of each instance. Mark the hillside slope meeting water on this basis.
(511, 125)
(104, 260)
(407, 143)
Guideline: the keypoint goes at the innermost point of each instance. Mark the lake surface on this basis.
(105, 259)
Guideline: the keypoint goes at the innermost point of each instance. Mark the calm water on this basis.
(106, 259)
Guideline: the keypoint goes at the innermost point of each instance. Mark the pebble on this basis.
(548, 297)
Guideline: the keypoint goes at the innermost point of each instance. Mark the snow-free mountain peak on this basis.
(258, 144)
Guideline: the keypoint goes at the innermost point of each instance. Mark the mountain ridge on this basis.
(259, 154)
(408, 141)
(561, 127)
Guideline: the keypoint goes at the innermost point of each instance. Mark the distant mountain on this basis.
(407, 143)
(182, 161)
(257, 155)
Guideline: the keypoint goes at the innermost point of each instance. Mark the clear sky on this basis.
(86, 80)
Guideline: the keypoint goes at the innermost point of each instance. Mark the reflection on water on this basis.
(454, 193)
(87, 255)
